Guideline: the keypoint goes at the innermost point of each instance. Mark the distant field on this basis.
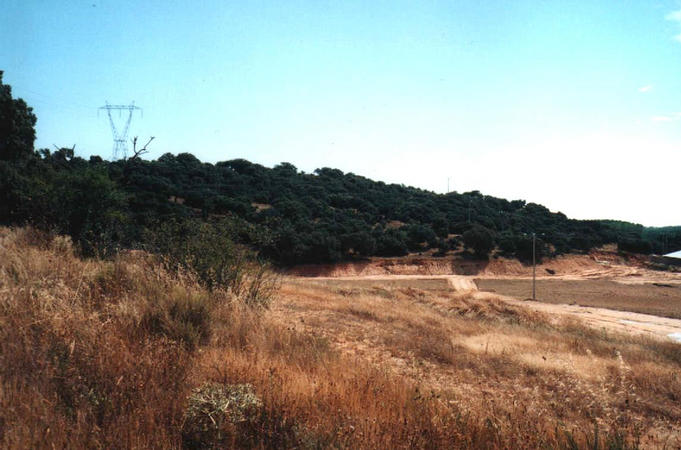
(645, 298)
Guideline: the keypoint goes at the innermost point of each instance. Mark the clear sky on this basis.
(572, 104)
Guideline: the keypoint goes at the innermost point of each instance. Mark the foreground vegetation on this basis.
(133, 352)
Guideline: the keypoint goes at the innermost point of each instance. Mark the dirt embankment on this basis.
(597, 264)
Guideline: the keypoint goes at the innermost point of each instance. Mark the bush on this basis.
(634, 246)
(216, 414)
(480, 240)
(182, 316)
(391, 243)
(205, 249)
(418, 235)
(523, 249)
(209, 252)
(507, 244)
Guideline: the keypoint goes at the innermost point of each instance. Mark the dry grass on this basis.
(493, 359)
(124, 354)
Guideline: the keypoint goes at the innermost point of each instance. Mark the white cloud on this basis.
(645, 88)
(675, 16)
(667, 117)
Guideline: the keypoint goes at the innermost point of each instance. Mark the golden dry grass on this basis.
(106, 354)
(496, 359)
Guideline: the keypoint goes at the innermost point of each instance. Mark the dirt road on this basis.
(623, 321)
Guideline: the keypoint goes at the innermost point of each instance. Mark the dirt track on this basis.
(609, 319)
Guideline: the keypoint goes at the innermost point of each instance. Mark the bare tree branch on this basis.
(141, 151)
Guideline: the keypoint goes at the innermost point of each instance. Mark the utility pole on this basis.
(534, 266)
(120, 145)
(448, 185)
(470, 199)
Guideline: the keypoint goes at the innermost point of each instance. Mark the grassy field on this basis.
(492, 359)
(125, 354)
(436, 284)
(643, 298)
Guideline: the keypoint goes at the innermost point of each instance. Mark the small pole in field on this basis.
(534, 266)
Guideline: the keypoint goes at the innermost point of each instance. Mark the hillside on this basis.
(289, 216)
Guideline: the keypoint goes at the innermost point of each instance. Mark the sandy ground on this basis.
(623, 321)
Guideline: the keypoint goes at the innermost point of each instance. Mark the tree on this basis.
(524, 248)
(361, 243)
(507, 243)
(634, 245)
(419, 235)
(17, 122)
(391, 243)
(480, 240)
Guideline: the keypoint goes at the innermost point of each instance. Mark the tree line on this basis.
(285, 214)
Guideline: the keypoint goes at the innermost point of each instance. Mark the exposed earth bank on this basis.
(595, 265)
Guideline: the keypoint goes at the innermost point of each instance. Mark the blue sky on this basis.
(575, 105)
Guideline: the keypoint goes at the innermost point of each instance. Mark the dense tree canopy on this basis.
(17, 122)
(480, 240)
(288, 215)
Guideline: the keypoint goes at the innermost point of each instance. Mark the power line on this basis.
(52, 100)
(120, 136)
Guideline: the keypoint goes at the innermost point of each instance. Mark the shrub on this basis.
(391, 243)
(480, 240)
(182, 316)
(507, 244)
(208, 250)
(417, 235)
(523, 249)
(217, 412)
(634, 246)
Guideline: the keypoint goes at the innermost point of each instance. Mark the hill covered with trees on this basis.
(287, 215)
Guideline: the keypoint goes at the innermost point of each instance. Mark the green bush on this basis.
(208, 250)
(480, 240)
(523, 249)
(634, 245)
(391, 243)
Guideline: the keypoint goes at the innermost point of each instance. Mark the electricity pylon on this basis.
(120, 137)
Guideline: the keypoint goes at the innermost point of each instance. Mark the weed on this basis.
(182, 316)
(216, 412)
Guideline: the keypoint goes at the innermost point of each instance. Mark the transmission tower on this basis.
(120, 136)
